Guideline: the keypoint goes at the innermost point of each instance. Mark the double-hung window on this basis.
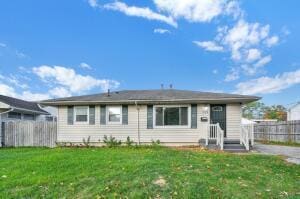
(29, 117)
(81, 114)
(14, 115)
(171, 116)
(114, 114)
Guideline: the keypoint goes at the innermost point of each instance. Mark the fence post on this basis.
(2, 134)
(289, 131)
(252, 134)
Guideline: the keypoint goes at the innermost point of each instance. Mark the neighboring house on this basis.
(294, 112)
(16, 109)
(175, 117)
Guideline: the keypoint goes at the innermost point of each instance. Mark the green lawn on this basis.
(143, 173)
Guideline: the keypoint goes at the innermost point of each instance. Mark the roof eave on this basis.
(221, 100)
(31, 111)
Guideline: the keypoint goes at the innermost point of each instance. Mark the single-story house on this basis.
(293, 112)
(16, 109)
(175, 117)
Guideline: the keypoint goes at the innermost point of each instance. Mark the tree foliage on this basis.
(258, 110)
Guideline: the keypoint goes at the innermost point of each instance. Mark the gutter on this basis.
(238, 100)
(11, 109)
(23, 109)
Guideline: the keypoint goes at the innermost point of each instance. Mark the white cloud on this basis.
(7, 90)
(244, 35)
(263, 61)
(272, 41)
(197, 10)
(93, 3)
(25, 95)
(233, 75)
(62, 81)
(29, 96)
(60, 92)
(265, 85)
(245, 41)
(249, 70)
(85, 66)
(74, 82)
(3, 45)
(161, 31)
(143, 12)
(14, 80)
(209, 45)
(21, 55)
(253, 54)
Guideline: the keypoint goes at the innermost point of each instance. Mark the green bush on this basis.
(86, 142)
(155, 142)
(129, 142)
(111, 141)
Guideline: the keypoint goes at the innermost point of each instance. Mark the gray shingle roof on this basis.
(21, 104)
(155, 96)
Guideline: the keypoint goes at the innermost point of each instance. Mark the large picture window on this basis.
(171, 116)
(114, 114)
(81, 113)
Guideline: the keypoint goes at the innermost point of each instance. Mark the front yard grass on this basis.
(143, 173)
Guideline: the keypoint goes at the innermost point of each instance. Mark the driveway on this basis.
(292, 153)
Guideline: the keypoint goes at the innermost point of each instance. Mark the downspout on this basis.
(138, 119)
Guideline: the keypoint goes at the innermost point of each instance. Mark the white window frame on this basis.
(12, 118)
(88, 115)
(107, 114)
(172, 126)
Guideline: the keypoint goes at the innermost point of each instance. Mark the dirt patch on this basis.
(160, 182)
(195, 148)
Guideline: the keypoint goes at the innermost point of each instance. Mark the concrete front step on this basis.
(233, 146)
(230, 145)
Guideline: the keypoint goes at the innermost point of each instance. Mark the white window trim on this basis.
(172, 126)
(107, 114)
(12, 118)
(88, 115)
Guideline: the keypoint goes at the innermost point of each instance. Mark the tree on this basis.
(258, 110)
(254, 110)
(276, 112)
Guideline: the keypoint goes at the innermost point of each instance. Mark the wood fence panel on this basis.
(29, 133)
(278, 131)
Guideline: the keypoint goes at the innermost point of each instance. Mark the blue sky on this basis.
(54, 48)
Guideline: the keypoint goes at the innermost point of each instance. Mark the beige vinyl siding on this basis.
(76, 132)
(233, 120)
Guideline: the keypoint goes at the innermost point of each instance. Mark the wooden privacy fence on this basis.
(278, 131)
(28, 133)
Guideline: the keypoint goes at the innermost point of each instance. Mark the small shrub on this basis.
(111, 141)
(129, 142)
(61, 144)
(86, 142)
(155, 142)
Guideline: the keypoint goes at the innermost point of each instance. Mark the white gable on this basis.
(294, 112)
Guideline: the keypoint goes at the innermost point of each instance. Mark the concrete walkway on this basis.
(292, 153)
